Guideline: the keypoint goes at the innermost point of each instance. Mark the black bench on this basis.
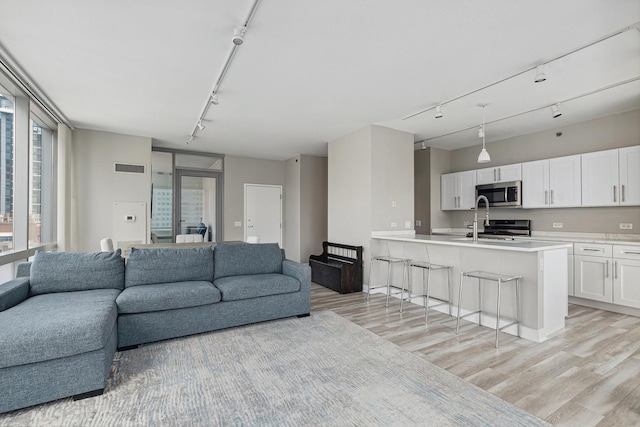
(338, 268)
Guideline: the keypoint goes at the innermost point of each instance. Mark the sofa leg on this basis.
(128, 347)
(88, 394)
(304, 315)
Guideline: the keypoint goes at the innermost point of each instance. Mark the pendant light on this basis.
(483, 157)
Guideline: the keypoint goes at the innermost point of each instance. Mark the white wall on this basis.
(367, 171)
(245, 170)
(98, 187)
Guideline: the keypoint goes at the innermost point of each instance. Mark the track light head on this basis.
(555, 111)
(238, 35)
(200, 126)
(439, 112)
(423, 145)
(190, 140)
(540, 75)
(214, 99)
(480, 131)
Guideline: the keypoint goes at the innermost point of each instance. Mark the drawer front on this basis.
(593, 249)
(626, 252)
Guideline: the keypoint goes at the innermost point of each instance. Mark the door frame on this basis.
(179, 173)
(244, 228)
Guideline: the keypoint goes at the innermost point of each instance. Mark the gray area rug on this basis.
(319, 370)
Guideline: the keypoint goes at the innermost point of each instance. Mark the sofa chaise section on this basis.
(58, 328)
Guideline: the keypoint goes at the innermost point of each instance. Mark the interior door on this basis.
(199, 204)
(263, 213)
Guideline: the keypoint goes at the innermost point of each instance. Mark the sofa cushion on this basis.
(237, 259)
(167, 296)
(70, 271)
(56, 325)
(255, 285)
(151, 266)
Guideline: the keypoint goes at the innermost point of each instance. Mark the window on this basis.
(40, 184)
(7, 115)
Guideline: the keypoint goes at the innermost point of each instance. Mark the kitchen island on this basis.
(542, 265)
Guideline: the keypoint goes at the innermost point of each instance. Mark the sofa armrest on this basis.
(24, 269)
(299, 271)
(13, 292)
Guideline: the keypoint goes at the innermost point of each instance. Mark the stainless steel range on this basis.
(505, 229)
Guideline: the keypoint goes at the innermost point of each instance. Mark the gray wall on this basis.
(237, 172)
(616, 131)
(292, 208)
(313, 205)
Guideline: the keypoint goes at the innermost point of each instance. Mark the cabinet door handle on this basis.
(499, 174)
(494, 175)
(591, 250)
(615, 269)
(606, 274)
(614, 194)
(546, 197)
(551, 197)
(631, 252)
(622, 191)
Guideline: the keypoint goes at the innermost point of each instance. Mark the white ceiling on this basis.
(312, 71)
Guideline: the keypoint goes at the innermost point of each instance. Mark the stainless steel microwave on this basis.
(502, 194)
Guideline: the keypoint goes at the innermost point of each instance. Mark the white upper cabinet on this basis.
(458, 190)
(629, 159)
(552, 183)
(600, 186)
(504, 173)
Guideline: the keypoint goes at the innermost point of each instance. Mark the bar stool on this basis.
(500, 279)
(389, 260)
(427, 267)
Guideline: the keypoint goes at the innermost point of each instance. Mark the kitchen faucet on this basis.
(475, 217)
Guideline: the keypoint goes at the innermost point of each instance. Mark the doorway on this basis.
(198, 202)
(263, 213)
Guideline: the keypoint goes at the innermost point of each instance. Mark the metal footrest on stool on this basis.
(428, 267)
(500, 279)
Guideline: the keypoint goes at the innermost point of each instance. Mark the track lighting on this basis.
(214, 99)
(438, 112)
(200, 126)
(190, 140)
(480, 131)
(238, 35)
(423, 145)
(483, 157)
(540, 75)
(555, 111)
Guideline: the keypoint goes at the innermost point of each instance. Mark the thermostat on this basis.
(130, 218)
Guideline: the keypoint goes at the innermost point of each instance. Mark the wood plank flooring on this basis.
(588, 374)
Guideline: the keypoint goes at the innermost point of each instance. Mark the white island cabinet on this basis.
(542, 265)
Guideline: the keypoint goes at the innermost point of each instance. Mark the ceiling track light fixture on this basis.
(635, 26)
(439, 112)
(481, 131)
(238, 39)
(423, 145)
(483, 157)
(555, 111)
(540, 75)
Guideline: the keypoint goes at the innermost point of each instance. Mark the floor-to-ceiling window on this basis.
(27, 180)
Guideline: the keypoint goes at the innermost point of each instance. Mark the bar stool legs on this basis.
(426, 281)
(501, 280)
(388, 260)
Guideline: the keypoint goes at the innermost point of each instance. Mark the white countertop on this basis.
(505, 245)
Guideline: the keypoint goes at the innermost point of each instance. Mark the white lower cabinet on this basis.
(593, 278)
(626, 276)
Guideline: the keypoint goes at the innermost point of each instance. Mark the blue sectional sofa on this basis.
(64, 316)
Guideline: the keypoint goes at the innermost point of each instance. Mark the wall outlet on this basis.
(558, 225)
(626, 226)
(394, 224)
(418, 223)
(393, 204)
(407, 224)
(237, 224)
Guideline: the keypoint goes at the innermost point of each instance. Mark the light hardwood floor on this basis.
(588, 374)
